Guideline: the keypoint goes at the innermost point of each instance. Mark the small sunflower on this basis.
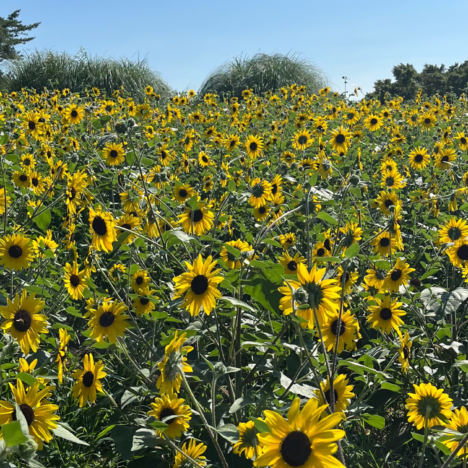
(287, 240)
(445, 158)
(183, 192)
(348, 332)
(61, 358)
(386, 200)
(398, 275)
(346, 280)
(229, 259)
(254, 146)
(143, 304)
(342, 393)
(290, 263)
(167, 406)
(459, 423)
(392, 179)
(16, 252)
(384, 244)
(375, 277)
(130, 223)
(261, 213)
(198, 221)
(102, 227)
(23, 321)
(74, 114)
(427, 120)
(458, 253)
(373, 122)
(248, 442)
(454, 230)
(88, 380)
(350, 233)
(194, 451)
(341, 140)
(462, 141)
(405, 353)
(419, 158)
(75, 281)
(108, 321)
(260, 193)
(302, 140)
(203, 159)
(199, 286)
(114, 154)
(20, 179)
(140, 281)
(386, 315)
(428, 406)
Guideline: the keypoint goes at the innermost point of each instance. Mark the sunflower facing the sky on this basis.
(23, 320)
(386, 315)
(170, 405)
(199, 286)
(428, 406)
(108, 321)
(37, 411)
(301, 440)
(88, 380)
(16, 252)
(342, 393)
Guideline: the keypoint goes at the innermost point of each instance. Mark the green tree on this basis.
(13, 33)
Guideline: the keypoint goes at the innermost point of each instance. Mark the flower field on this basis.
(272, 280)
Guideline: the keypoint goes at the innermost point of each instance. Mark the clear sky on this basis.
(186, 40)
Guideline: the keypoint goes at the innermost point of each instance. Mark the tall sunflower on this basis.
(428, 406)
(341, 140)
(386, 200)
(302, 440)
(229, 259)
(254, 146)
(290, 263)
(75, 281)
(37, 411)
(16, 252)
(302, 140)
(23, 321)
(392, 179)
(143, 304)
(373, 122)
(386, 315)
(458, 253)
(342, 393)
(88, 380)
(384, 244)
(398, 275)
(74, 114)
(102, 227)
(419, 158)
(108, 321)
(198, 221)
(199, 285)
(348, 332)
(167, 406)
(140, 281)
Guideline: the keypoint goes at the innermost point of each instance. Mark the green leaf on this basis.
(60, 431)
(260, 425)
(43, 220)
(237, 303)
(105, 431)
(326, 217)
(143, 439)
(360, 368)
(193, 203)
(240, 403)
(12, 434)
(329, 259)
(4, 139)
(374, 420)
(272, 242)
(418, 437)
(123, 438)
(232, 250)
(229, 432)
(429, 273)
(26, 378)
(232, 186)
(391, 387)
(352, 250)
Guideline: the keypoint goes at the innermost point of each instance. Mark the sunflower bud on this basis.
(301, 296)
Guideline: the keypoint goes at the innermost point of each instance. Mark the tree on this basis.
(12, 34)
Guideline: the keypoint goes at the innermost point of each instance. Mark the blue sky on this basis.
(186, 40)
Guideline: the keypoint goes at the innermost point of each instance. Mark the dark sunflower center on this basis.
(384, 242)
(418, 158)
(463, 141)
(262, 210)
(15, 251)
(296, 449)
(390, 181)
(165, 413)
(106, 319)
(88, 379)
(274, 189)
(22, 321)
(127, 226)
(302, 140)
(27, 411)
(374, 121)
(205, 159)
(99, 226)
(27, 162)
(183, 193)
(327, 396)
(292, 265)
(445, 159)
(350, 116)
(340, 139)
(199, 284)
(32, 125)
(144, 301)
(35, 181)
(462, 252)
(23, 178)
(139, 280)
(74, 113)
(74, 280)
(327, 244)
(320, 252)
(113, 154)
(388, 203)
(334, 328)
(427, 120)
(406, 352)
(253, 146)
(385, 314)
(454, 233)
(396, 274)
(197, 216)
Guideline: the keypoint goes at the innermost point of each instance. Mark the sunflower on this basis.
(392, 179)
(16, 252)
(21, 179)
(173, 363)
(384, 243)
(341, 390)
(348, 332)
(373, 122)
(375, 277)
(75, 281)
(445, 158)
(229, 259)
(37, 411)
(114, 154)
(405, 353)
(351, 233)
(398, 275)
(351, 116)
(88, 380)
(428, 406)
(302, 140)
(260, 193)
(341, 140)
(61, 358)
(108, 321)
(386, 200)
(288, 157)
(290, 263)
(167, 406)
(194, 451)
(386, 315)
(254, 146)
(276, 185)
(458, 253)
(462, 141)
(37, 183)
(303, 440)
(143, 304)
(454, 230)
(419, 158)
(23, 321)
(130, 223)
(200, 286)
(248, 441)
(140, 281)
(261, 213)
(27, 162)
(183, 192)
(102, 227)
(198, 221)
(287, 240)
(33, 125)
(459, 423)
(74, 114)
(427, 120)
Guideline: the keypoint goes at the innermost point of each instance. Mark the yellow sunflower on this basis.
(392, 179)
(260, 193)
(114, 154)
(167, 406)
(199, 285)
(373, 122)
(248, 442)
(198, 221)
(386, 315)
(140, 281)
(130, 223)
(287, 240)
(302, 140)
(419, 158)
(341, 140)
(183, 192)
(16, 252)
(398, 275)
(75, 281)
(102, 227)
(445, 158)
(254, 146)
(23, 321)
(342, 393)
(405, 353)
(428, 406)
(384, 244)
(348, 332)
(386, 200)
(290, 263)
(454, 230)
(108, 321)
(88, 380)
(458, 253)
(303, 440)
(229, 259)
(61, 359)
(194, 451)
(143, 304)
(459, 423)
(74, 114)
